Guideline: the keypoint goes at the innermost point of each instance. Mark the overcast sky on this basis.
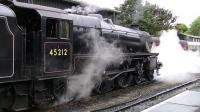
(186, 10)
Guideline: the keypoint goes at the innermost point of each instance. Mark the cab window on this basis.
(57, 28)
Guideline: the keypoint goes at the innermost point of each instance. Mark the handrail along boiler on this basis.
(39, 49)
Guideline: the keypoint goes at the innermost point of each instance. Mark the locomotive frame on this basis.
(39, 70)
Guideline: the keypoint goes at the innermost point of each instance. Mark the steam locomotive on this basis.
(40, 50)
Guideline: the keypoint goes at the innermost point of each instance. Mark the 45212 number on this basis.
(58, 52)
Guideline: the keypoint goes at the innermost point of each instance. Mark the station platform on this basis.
(188, 101)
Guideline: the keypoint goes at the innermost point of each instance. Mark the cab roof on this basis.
(6, 11)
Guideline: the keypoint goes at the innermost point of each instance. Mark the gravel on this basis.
(119, 96)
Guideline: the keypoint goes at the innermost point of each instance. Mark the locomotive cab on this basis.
(57, 43)
(47, 42)
(35, 55)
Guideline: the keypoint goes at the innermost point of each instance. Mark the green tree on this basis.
(182, 28)
(150, 18)
(130, 12)
(156, 19)
(195, 27)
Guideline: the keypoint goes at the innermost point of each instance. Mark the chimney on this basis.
(135, 27)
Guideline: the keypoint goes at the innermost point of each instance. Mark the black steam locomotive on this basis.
(40, 49)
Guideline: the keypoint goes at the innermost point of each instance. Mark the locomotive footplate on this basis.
(141, 54)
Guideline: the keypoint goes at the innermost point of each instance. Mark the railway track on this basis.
(127, 105)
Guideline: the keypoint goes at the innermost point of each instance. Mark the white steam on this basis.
(178, 65)
(82, 10)
(103, 54)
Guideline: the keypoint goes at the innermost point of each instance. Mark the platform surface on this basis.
(188, 101)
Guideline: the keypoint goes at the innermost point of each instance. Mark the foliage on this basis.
(182, 28)
(195, 27)
(153, 19)
(130, 12)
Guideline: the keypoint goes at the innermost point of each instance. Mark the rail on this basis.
(120, 107)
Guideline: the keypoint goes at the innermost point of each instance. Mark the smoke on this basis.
(178, 65)
(102, 55)
(82, 9)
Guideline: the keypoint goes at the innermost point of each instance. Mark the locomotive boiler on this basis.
(40, 48)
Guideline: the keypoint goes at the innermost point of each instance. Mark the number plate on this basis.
(58, 52)
(57, 57)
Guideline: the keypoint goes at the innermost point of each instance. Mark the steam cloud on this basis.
(103, 54)
(178, 65)
(83, 10)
